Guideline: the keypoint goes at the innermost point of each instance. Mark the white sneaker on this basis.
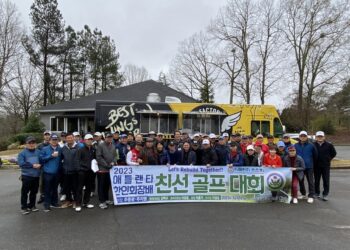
(89, 206)
(103, 205)
(310, 200)
(295, 201)
(302, 197)
(78, 209)
(110, 202)
(63, 197)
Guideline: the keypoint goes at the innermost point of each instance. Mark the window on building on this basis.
(202, 123)
(72, 124)
(165, 123)
(53, 124)
(260, 127)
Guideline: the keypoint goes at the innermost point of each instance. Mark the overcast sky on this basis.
(146, 32)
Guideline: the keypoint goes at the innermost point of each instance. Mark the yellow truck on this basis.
(142, 117)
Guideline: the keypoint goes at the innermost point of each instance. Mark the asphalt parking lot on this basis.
(322, 225)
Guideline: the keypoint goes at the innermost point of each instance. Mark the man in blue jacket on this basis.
(29, 162)
(51, 159)
(308, 152)
(123, 149)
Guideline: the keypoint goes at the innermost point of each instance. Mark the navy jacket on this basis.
(222, 151)
(123, 151)
(163, 157)
(187, 158)
(26, 159)
(235, 161)
(174, 157)
(70, 162)
(308, 152)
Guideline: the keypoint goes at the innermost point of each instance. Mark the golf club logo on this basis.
(275, 181)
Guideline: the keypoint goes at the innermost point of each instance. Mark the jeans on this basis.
(104, 183)
(84, 179)
(323, 172)
(50, 187)
(30, 185)
(309, 173)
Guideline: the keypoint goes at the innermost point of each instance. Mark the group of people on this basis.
(64, 165)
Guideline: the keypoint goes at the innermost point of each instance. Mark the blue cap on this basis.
(281, 144)
(123, 136)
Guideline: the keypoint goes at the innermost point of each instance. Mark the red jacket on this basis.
(269, 161)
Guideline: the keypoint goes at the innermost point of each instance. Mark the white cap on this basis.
(259, 136)
(225, 135)
(319, 133)
(76, 134)
(88, 136)
(205, 142)
(212, 136)
(250, 147)
(98, 134)
(303, 133)
(196, 135)
(151, 133)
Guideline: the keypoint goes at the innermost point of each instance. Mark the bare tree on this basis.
(24, 94)
(134, 74)
(318, 34)
(235, 26)
(10, 41)
(192, 70)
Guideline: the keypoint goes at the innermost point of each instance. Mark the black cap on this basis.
(30, 139)
(250, 137)
(54, 137)
(270, 137)
(233, 144)
(140, 143)
(244, 137)
(195, 143)
(63, 133)
(115, 132)
(171, 143)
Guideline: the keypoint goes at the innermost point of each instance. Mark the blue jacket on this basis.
(173, 157)
(51, 164)
(163, 157)
(123, 151)
(26, 159)
(235, 161)
(308, 152)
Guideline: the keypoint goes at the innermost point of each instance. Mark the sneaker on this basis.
(46, 210)
(274, 199)
(302, 197)
(78, 209)
(66, 204)
(41, 199)
(103, 205)
(318, 196)
(63, 197)
(110, 202)
(89, 206)
(295, 201)
(310, 200)
(325, 198)
(34, 209)
(55, 206)
(25, 211)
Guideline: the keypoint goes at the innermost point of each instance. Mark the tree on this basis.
(134, 74)
(317, 32)
(192, 70)
(234, 26)
(24, 94)
(10, 42)
(46, 40)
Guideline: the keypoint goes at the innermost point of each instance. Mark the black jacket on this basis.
(209, 156)
(222, 152)
(85, 156)
(326, 152)
(187, 158)
(69, 159)
(250, 160)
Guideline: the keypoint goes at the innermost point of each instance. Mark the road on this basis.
(343, 152)
(322, 225)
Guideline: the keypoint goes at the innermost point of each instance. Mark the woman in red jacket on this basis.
(272, 160)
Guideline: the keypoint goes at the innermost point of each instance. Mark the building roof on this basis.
(137, 92)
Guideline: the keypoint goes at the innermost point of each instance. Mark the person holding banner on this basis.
(133, 156)
(187, 156)
(272, 160)
(222, 150)
(209, 156)
(235, 158)
(149, 155)
(106, 157)
(250, 158)
(297, 165)
(163, 156)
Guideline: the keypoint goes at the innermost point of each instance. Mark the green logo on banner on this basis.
(275, 181)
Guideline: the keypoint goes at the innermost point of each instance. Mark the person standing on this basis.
(308, 152)
(250, 158)
(106, 157)
(272, 160)
(29, 162)
(51, 158)
(70, 170)
(326, 153)
(209, 156)
(85, 155)
(123, 149)
(297, 165)
(222, 151)
(45, 143)
(187, 156)
(133, 156)
(149, 155)
(235, 158)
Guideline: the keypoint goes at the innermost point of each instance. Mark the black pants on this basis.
(84, 179)
(93, 181)
(309, 173)
(104, 183)
(323, 172)
(30, 185)
(70, 186)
